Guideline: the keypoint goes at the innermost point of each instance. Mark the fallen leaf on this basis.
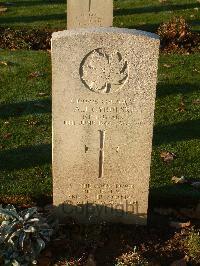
(35, 74)
(179, 180)
(179, 225)
(32, 122)
(3, 63)
(3, 9)
(181, 107)
(42, 94)
(7, 136)
(197, 101)
(167, 65)
(167, 156)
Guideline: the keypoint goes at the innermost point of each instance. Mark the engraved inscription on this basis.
(104, 112)
(103, 72)
(106, 191)
(83, 20)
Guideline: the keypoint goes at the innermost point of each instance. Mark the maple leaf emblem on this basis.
(102, 72)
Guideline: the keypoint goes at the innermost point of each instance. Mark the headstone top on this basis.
(104, 84)
(88, 13)
(140, 33)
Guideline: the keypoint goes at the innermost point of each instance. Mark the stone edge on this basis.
(140, 33)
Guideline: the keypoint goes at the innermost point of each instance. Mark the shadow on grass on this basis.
(25, 157)
(29, 3)
(145, 27)
(164, 89)
(187, 130)
(30, 19)
(173, 195)
(25, 108)
(154, 9)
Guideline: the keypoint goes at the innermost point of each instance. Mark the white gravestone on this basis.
(89, 13)
(104, 84)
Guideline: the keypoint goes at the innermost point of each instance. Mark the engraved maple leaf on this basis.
(102, 72)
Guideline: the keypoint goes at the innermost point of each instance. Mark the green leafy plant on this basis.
(23, 235)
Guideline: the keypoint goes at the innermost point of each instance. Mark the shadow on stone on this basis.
(88, 213)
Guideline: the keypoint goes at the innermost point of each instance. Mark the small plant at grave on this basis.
(176, 35)
(193, 245)
(23, 235)
(131, 258)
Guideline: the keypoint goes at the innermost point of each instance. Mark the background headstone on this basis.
(104, 83)
(89, 13)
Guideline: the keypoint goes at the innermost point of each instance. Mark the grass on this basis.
(25, 125)
(25, 102)
(25, 129)
(140, 14)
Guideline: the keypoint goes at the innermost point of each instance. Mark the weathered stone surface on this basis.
(89, 13)
(104, 83)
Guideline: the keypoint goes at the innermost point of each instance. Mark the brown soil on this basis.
(104, 245)
(28, 39)
(40, 39)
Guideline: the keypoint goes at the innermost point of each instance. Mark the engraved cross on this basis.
(101, 153)
(90, 3)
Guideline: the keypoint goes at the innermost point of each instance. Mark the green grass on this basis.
(25, 156)
(35, 13)
(25, 125)
(148, 15)
(140, 14)
(25, 101)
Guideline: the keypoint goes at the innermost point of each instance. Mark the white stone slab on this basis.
(104, 84)
(89, 13)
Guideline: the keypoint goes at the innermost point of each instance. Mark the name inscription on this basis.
(100, 112)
